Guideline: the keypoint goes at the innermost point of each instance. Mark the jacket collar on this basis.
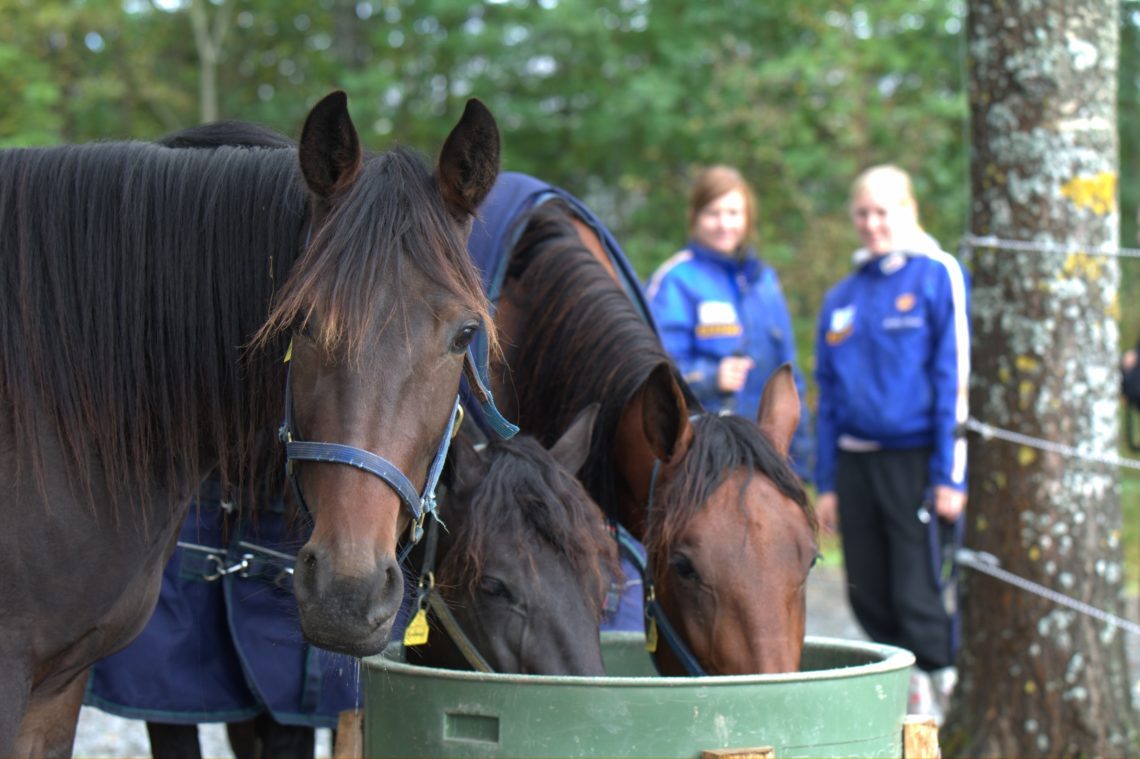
(749, 264)
(921, 244)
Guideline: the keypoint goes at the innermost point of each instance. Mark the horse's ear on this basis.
(330, 147)
(573, 448)
(779, 412)
(465, 464)
(469, 161)
(665, 415)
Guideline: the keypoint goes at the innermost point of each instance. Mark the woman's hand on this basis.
(948, 502)
(732, 372)
(827, 512)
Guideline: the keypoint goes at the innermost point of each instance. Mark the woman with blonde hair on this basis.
(892, 364)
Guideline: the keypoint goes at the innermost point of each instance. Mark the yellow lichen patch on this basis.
(1030, 687)
(1026, 456)
(982, 524)
(1113, 309)
(1096, 193)
(1004, 375)
(1025, 390)
(1027, 364)
(1083, 265)
(1034, 553)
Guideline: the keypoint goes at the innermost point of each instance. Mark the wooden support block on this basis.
(762, 752)
(920, 737)
(349, 735)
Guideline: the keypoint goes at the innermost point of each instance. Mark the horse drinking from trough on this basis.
(519, 576)
(134, 275)
(727, 525)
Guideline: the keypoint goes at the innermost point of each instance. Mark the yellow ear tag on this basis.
(288, 353)
(416, 633)
(651, 636)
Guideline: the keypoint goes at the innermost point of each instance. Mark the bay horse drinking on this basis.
(523, 563)
(727, 525)
(149, 298)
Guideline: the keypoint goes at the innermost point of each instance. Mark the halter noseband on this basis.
(419, 504)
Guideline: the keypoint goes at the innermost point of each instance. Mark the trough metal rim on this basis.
(893, 658)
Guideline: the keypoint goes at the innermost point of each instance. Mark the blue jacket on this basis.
(707, 307)
(893, 362)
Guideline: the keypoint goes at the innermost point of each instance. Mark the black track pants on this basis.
(886, 550)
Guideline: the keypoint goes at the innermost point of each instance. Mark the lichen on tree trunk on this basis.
(1038, 679)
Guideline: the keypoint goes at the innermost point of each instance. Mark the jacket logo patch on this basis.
(716, 312)
(904, 302)
(717, 318)
(841, 326)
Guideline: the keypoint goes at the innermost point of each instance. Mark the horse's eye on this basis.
(463, 338)
(684, 568)
(496, 588)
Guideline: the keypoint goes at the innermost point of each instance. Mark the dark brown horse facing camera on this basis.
(149, 298)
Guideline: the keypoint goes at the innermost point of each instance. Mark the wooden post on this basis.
(349, 735)
(763, 752)
(920, 737)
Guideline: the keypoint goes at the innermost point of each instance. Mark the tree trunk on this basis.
(208, 37)
(1038, 679)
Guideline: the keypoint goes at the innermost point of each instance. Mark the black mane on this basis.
(523, 495)
(133, 276)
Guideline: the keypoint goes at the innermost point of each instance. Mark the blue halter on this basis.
(653, 611)
(419, 504)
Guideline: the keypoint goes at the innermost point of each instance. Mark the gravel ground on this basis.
(101, 735)
(105, 735)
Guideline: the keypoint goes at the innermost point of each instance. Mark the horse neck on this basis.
(625, 457)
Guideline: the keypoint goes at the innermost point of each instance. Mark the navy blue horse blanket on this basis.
(224, 643)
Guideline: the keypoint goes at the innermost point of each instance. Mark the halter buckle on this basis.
(418, 522)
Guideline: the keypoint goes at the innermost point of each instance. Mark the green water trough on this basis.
(848, 700)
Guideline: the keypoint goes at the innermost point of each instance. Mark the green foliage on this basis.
(1128, 119)
(1130, 512)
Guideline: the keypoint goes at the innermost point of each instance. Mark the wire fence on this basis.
(987, 563)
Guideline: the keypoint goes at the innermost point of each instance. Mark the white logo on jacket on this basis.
(716, 312)
(841, 325)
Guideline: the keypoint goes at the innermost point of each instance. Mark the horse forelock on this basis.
(523, 497)
(134, 273)
(351, 276)
(588, 343)
(721, 445)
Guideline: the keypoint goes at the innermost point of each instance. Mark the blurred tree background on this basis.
(616, 100)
